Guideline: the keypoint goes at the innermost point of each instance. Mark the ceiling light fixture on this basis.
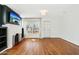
(44, 12)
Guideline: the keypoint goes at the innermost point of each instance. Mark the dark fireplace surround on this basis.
(16, 38)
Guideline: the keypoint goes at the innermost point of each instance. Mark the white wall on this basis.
(66, 24)
(71, 24)
(12, 30)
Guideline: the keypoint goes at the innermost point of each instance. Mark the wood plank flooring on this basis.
(46, 46)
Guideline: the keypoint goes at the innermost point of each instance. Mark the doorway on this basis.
(33, 28)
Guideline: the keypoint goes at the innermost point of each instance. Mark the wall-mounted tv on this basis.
(14, 18)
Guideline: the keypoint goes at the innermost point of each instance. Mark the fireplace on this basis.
(16, 38)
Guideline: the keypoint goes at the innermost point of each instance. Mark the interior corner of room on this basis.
(31, 21)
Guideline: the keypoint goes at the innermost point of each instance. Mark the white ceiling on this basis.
(28, 10)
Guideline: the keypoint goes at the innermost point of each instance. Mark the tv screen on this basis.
(14, 18)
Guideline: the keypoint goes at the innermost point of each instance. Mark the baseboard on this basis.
(3, 50)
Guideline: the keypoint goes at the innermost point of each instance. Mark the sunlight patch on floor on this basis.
(33, 40)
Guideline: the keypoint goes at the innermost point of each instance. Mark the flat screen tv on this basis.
(14, 18)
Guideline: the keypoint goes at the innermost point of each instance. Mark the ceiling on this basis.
(29, 10)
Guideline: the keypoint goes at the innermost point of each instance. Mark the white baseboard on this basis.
(3, 50)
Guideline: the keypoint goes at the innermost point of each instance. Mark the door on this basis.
(46, 30)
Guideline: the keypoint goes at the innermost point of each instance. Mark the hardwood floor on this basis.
(46, 46)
